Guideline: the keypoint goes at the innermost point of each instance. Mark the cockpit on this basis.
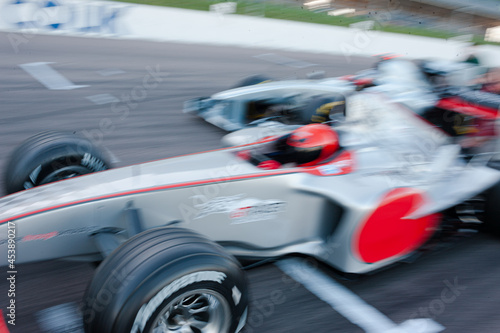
(309, 145)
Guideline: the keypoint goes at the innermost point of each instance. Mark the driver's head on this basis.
(313, 144)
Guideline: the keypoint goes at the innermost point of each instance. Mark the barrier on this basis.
(63, 16)
(132, 21)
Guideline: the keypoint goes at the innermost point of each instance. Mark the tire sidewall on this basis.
(492, 210)
(31, 160)
(161, 287)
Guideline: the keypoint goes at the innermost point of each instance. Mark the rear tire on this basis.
(166, 278)
(51, 156)
(492, 210)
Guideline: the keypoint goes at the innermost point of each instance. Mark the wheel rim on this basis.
(195, 311)
(69, 171)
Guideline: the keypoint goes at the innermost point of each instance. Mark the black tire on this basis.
(492, 210)
(51, 156)
(252, 80)
(320, 109)
(148, 274)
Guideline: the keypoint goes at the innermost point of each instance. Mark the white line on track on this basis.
(285, 61)
(101, 99)
(110, 72)
(49, 77)
(349, 304)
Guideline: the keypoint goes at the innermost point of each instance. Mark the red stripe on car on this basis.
(462, 106)
(311, 170)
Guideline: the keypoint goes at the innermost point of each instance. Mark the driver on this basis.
(306, 146)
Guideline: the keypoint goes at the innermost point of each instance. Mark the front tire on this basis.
(163, 280)
(51, 156)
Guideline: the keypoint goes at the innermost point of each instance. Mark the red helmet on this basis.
(313, 144)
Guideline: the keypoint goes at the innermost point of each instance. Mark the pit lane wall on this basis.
(108, 19)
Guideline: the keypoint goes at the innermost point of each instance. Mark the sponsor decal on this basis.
(240, 209)
(336, 168)
(40, 236)
(261, 211)
(236, 293)
(49, 235)
(216, 206)
(93, 163)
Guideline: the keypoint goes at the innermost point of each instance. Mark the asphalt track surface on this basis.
(457, 286)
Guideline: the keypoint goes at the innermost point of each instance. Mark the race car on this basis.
(358, 194)
(256, 99)
(442, 92)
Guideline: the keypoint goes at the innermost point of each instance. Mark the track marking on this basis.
(60, 319)
(101, 99)
(48, 76)
(349, 304)
(285, 61)
(110, 71)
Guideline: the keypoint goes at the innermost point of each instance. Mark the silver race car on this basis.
(256, 99)
(357, 194)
